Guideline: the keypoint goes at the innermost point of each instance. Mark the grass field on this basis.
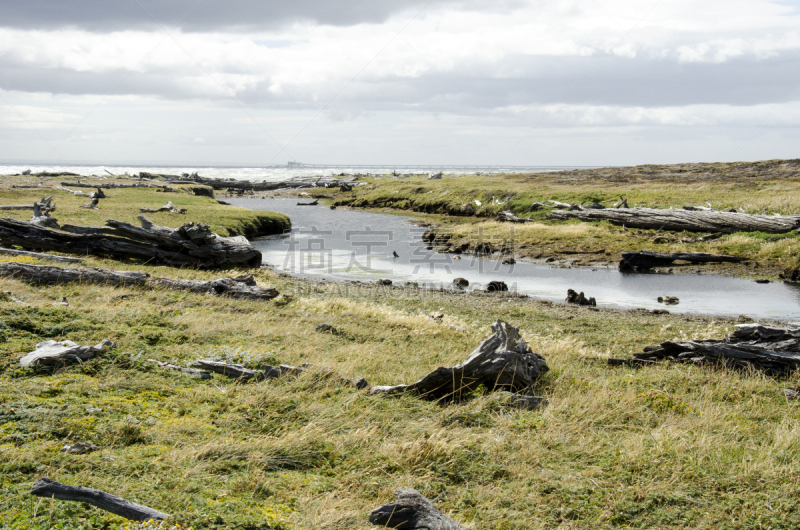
(668, 447)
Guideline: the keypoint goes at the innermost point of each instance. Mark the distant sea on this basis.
(257, 174)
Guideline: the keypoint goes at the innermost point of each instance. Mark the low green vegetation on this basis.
(666, 446)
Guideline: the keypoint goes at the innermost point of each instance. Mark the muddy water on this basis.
(353, 245)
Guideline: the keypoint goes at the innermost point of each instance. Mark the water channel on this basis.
(354, 245)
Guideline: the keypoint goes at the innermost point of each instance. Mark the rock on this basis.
(384, 282)
(509, 261)
(327, 328)
(437, 319)
(461, 283)
(669, 300)
(496, 285)
(413, 285)
(579, 298)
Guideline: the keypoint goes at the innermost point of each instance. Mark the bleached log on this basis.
(42, 218)
(241, 287)
(412, 511)
(691, 221)
(169, 207)
(51, 489)
(97, 194)
(191, 245)
(646, 259)
(509, 217)
(502, 362)
(112, 185)
(237, 371)
(54, 353)
(200, 374)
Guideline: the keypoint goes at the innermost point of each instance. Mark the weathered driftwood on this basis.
(773, 350)
(39, 255)
(297, 182)
(44, 205)
(412, 511)
(42, 218)
(191, 245)
(169, 207)
(112, 185)
(646, 259)
(239, 372)
(502, 362)
(241, 287)
(574, 297)
(97, 194)
(50, 489)
(200, 374)
(691, 221)
(509, 217)
(54, 353)
(80, 448)
(91, 205)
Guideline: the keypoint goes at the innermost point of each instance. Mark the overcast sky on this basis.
(525, 82)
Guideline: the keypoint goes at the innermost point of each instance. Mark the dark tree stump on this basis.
(502, 362)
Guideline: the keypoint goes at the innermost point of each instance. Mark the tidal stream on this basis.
(352, 245)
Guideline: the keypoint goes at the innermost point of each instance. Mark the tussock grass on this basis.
(662, 447)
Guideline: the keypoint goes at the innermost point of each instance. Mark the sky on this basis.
(489, 82)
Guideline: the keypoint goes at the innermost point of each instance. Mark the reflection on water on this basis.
(353, 245)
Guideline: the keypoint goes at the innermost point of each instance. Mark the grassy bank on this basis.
(662, 447)
(462, 206)
(123, 205)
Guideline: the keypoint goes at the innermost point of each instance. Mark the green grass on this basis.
(662, 447)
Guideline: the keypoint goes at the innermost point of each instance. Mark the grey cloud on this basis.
(211, 15)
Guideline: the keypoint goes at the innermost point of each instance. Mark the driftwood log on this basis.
(679, 220)
(97, 194)
(52, 353)
(298, 182)
(412, 511)
(509, 217)
(169, 207)
(502, 362)
(241, 287)
(42, 218)
(191, 245)
(646, 259)
(44, 205)
(772, 350)
(50, 489)
(200, 374)
(239, 372)
(112, 185)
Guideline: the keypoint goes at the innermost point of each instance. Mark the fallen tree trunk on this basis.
(646, 259)
(502, 362)
(50, 489)
(772, 350)
(679, 220)
(191, 245)
(53, 353)
(200, 374)
(169, 207)
(97, 194)
(237, 371)
(242, 287)
(39, 255)
(112, 186)
(412, 511)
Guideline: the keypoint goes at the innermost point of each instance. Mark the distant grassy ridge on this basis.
(123, 205)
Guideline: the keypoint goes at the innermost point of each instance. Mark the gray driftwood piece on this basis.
(237, 371)
(54, 353)
(646, 259)
(510, 217)
(200, 374)
(50, 489)
(772, 350)
(112, 185)
(39, 255)
(191, 245)
(241, 287)
(297, 182)
(502, 362)
(679, 220)
(412, 511)
(169, 207)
